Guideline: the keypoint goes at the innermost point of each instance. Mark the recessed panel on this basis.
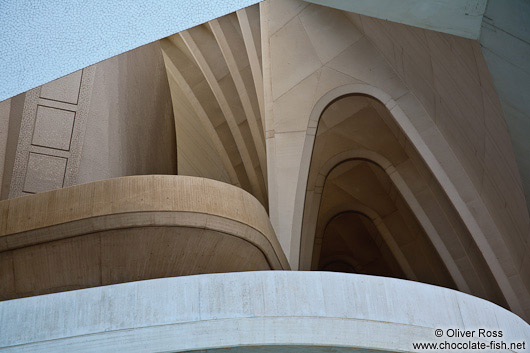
(44, 173)
(53, 128)
(64, 89)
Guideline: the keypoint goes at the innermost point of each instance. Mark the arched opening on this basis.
(352, 243)
(362, 159)
(403, 249)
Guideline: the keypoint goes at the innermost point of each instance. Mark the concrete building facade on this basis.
(269, 177)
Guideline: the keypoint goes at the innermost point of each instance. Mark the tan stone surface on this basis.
(108, 120)
(129, 229)
(44, 173)
(215, 70)
(5, 109)
(450, 78)
(421, 229)
(355, 124)
(53, 128)
(130, 128)
(64, 89)
(423, 78)
(248, 92)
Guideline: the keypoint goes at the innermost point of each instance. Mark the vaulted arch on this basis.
(416, 174)
(216, 85)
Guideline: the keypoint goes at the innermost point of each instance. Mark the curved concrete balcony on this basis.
(268, 309)
(130, 229)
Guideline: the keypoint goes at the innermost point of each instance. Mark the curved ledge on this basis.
(130, 229)
(281, 308)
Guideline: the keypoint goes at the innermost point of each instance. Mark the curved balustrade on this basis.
(130, 229)
(271, 310)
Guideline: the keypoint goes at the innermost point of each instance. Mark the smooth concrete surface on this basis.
(442, 104)
(495, 65)
(42, 41)
(462, 18)
(366, 253)
(451, 79)
(109, 120)
(362, 162)
(128, 229)
(502, 29)
(130, 128)
(505, 43)
(282, 308)
(12, 110)
(286, 349)
(214, 72)
(50, 134)
(5, 109)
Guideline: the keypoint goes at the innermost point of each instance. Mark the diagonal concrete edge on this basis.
(41, 41)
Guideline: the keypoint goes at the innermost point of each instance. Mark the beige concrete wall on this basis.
(216, 83)
(449, 76)
(130, 128)
(196, 155)
(111, 119)
(116, 118)
(5, 109)
(397, 190)
(310, 51)
(11, 119)
(129, 229)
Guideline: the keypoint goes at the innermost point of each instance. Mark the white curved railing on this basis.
(283, 308)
